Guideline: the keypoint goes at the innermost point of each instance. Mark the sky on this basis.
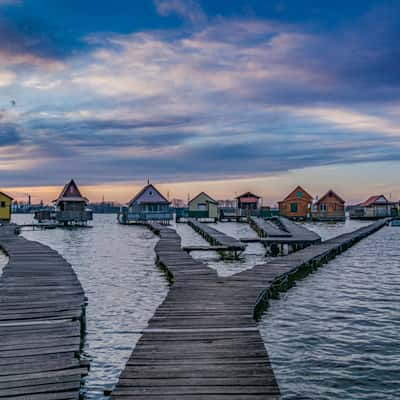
(215, 95)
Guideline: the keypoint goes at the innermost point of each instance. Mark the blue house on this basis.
(148, 205)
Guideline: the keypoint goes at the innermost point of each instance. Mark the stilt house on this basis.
(147, 205)
(296, 205)
(203, 207)
(70, 207)
(330, 207)
(374, 208)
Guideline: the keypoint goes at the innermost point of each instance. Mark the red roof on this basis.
(373, 199)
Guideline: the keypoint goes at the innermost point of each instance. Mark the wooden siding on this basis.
(203, 202)
(296, 205)
(5, 207)
(330, 206)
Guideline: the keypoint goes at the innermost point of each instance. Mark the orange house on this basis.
(330, 207)
(297, 205)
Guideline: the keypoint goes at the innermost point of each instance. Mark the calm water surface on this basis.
(335, 335)
(115, 265)
(328, 230)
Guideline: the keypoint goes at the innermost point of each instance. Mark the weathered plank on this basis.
(219, 240)
(41, 317)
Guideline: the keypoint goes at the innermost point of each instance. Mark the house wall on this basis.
(252, 205)
(202, 203)
(213, 210)
(303, 206)
(334, 208)
(150, 207)
(5, 208)
(72, 206)
(376, 211)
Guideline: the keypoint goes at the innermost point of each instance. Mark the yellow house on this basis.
(5, 207)
(203, 206)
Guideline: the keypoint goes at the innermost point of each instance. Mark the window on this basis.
(3, 204)
(150, 193)
(323, 207)
(293, 207)
(299, 194)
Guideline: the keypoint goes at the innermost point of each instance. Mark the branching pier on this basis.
(281, 236)
(203, 341)
(42, 312)
(218, 240)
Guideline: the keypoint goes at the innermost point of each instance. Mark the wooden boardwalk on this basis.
(265, 228)
(275, 235)
(215, 237)
(203, 341)
(42, 308)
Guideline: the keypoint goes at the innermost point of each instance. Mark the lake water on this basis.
(333, 336)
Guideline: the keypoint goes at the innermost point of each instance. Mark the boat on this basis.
(395, 222)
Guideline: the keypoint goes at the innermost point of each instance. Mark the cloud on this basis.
(27, 44)
(188, 9)
(9, 134)
(230, 98)
(7, 78)
(351, 120)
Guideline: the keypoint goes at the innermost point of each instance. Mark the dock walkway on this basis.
(203, 341)
(266, 228)
(215, 237)
(275, 235)
(42, 307)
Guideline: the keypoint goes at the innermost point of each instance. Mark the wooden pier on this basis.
(203, 341)
(218, 239)
(42, 311)
(281, 236)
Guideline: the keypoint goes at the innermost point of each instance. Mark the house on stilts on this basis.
(149, 205)
(201, 207)
(330, 207)
(296, 205)
(374, 208)
(70, 208)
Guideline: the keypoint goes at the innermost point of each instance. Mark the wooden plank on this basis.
(41, 308)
